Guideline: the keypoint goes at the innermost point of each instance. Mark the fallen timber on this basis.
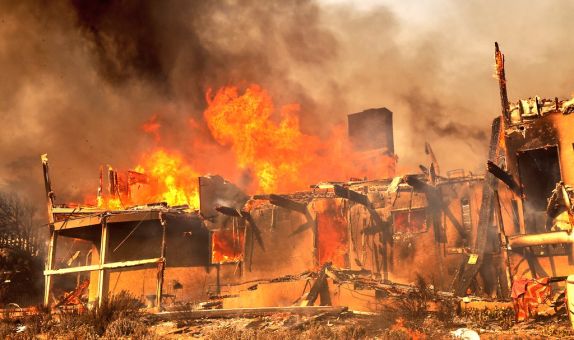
(248, 312)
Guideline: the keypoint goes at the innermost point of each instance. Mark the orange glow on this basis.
(412, 333)
(227, 245)
(152, 127)
(333, 238)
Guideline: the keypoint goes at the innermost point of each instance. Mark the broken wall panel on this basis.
(287, 242)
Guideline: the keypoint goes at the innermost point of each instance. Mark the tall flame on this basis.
(171, 179)
(245, 123)
(265, 143)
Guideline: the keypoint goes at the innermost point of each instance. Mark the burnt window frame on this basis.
(519, 169)
(407, 210)
(241, 228)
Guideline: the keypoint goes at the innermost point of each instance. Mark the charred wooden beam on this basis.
(341, 191)
(436, 203)
(470, 265)
(53, 235)
(48, 185)
(288, 204)
(301, 208)
(317, 287)
(379, 224)
(504, 176)
(417, 184)
(232, 212)
(228, 211)
(501, 75)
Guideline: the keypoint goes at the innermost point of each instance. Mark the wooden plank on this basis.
(113, 265)
(102, 278)
(247, 312)
(131, 216)
(50, 265)
(78, 222)
(134, 263)
(117, 217)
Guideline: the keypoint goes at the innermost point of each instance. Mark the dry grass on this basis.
(117, 317)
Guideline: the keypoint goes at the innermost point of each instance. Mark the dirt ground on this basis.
(288, 326)
(348, 326)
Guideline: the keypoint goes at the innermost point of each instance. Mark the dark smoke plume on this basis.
(80, 77)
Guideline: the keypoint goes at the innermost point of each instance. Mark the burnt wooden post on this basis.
(501, 75)
(102, 276)
(161, 264)
(53, 234)
(50, 264)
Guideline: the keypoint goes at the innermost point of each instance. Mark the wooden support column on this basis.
(161, 264)
(53, 234)
(50, 265)
(103, 277)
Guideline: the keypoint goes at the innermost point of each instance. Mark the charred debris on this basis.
(499, 239)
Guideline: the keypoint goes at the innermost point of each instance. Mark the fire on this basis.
(414, 334)
(271, 144)
(227, 245)
(271, 148)
(162, 176)
(333, 243)
(255, 137)
(172, 180)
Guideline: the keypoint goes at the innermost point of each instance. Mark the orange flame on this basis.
(171, 179)
(267, 144)
(272, 149)
(227, 245)
(162, 176)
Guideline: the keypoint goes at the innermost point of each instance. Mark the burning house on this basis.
(505, 234)
(389, 230)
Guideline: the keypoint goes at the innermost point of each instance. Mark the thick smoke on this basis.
(79, 78)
